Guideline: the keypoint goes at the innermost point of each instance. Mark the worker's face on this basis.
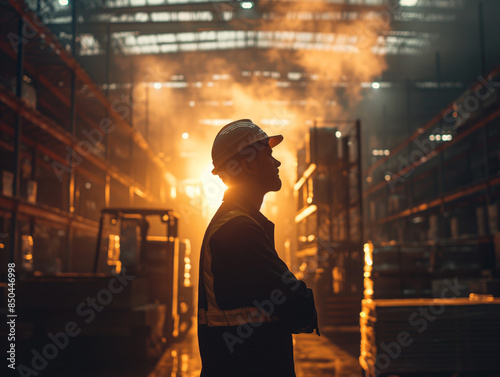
(267, 173)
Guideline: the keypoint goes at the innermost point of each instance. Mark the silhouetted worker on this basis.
(249, 302)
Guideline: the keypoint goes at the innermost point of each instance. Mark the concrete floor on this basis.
(314, 357)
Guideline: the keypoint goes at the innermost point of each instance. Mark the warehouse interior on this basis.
(390, 112)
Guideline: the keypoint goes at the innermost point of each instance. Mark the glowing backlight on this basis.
(212, 189)
(368, 249)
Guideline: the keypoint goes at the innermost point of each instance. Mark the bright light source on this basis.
(375, 85)
(338, 134)
(247, 5)
(387, 152)
(387, 177)
(447, 138)
(63, 2)
(157, 85)
(408, 3)
(185, 135)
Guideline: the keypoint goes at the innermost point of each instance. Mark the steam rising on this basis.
(236, 84)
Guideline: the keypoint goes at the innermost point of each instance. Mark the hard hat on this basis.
(236, 136)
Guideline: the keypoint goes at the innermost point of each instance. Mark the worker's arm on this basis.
(248, 272)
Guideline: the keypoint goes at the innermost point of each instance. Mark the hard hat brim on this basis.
(275, 140)
(272, 140)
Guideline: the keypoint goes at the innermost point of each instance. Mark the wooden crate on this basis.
(429, 335)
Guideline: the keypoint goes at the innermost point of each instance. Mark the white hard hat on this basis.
(236, 136)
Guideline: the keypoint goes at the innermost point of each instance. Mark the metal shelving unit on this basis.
(67, 149)
(443, 182)
(328, 220)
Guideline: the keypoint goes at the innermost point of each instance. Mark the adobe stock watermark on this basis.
(406, 165)
(425, 147)
(87, 311)
(418, 320)
(95, 136)
(28, 32)
(248, 150)
(472, 102)
(379, 22)
(267, 309)
(224, 7)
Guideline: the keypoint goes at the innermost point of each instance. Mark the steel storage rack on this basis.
(431, 275)
(443, 181)
(67, 149)
(328, 222)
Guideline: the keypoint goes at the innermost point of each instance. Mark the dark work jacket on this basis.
(247, 272)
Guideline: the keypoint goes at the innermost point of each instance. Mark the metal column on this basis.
(14, 230)
(71, 186)
(360, 181)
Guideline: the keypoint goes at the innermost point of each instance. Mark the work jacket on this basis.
(249, 303)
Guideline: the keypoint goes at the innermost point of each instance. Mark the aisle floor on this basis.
(314, 357)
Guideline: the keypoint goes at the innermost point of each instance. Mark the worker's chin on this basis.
(277, 185)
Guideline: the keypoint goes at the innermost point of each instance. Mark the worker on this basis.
(249, 302)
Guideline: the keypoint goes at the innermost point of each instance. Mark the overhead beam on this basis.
(165, 27)
(216, 7)
(68, 59)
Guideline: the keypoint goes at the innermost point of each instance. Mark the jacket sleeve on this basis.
(248, 272)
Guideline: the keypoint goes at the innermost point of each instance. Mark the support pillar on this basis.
(14, 229)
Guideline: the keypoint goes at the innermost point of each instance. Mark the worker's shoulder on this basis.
(235, 221)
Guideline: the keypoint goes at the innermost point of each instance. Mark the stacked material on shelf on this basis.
(416, 271)
(398, 271)
(430, 335)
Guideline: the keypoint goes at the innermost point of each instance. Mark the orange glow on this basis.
(306, 175)
(368, 283)
(368, 249)
(422, 207)
(175, 289)
(305, 212)
(139, 192)
(212, 189)
(254, 98)
(114, 252)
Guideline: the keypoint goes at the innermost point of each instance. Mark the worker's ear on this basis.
(249, 165)
(248, 161)
(245, 167)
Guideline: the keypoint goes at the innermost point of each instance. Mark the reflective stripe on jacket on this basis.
(214, 316)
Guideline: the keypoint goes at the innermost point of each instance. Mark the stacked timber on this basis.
(430, 335)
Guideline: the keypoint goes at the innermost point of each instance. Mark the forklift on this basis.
(134, 245)
(137, 300)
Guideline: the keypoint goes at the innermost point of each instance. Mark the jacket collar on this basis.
(232, 199)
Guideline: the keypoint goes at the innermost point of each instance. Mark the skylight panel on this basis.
(166, 38)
